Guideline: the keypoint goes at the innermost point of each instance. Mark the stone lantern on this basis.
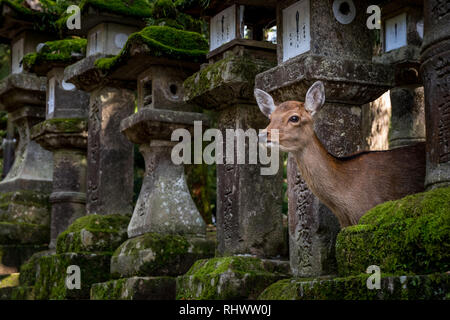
(64, 132)
(26, 189)
(249, 204)
(165, 213)
(238, 52)
(328, 41)
(435, 70)
(402, 34)
(110, 154)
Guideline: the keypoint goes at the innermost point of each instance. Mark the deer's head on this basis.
(293, 119)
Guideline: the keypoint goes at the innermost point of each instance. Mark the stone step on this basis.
(153, 254)
(136, 288)
(13, 233)
(230, 278)
(52, 272)
(23, 206)
(416, 287)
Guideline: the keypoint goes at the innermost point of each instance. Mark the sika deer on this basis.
(349, 186)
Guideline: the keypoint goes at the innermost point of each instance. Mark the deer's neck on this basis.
(324, 175)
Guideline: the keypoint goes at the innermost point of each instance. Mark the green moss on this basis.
(164, 9)
(160, 41)
(50, 283)
(59, 125)
(153, 254)
(132, 8)
(434, 286)
(411, 235)
(94, 233)
(232, 69)
(65, 51)
(11, 280)
(225, 278)
(22, 293)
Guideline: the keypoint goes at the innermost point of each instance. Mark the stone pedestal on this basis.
(25, 208)
(110, 154)
(23, 96)
(338, 54)
(165, 205)
(67, 139)
(249, 219)
(436, 79)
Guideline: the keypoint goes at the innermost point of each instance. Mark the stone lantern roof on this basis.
(155, 45)
(54, 54)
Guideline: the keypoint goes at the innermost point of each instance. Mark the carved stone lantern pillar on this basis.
(64, 132)
(402, 34)
(435, 57)
(248, 222)
(25, 216)
(165, 214)
(328, 41)
(110, 154)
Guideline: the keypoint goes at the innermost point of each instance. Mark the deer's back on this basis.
(388, 175)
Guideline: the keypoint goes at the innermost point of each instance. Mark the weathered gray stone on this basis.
(136, 288)
(110, 154)
(165, 205)
(230, 278)
(67, 139)
(153, 254)
(313, 229)
(435, 72)
(23, 96)
(245, 223)
(408, 116)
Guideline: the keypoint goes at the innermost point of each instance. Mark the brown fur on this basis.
(353, 185)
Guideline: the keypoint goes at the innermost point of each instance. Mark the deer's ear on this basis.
(265, 102)
(315, 98)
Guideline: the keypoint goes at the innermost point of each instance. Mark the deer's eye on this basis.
(294, 119)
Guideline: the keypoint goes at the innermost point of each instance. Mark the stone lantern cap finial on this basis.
(55, 54)
(155, 45)
(124, 12)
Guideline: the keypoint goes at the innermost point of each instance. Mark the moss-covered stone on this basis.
(160, 41)
(58, 125)
(23, 233)
(51, 280)
(411, 235)
(94, 233)
(153, 254)
(25, 207)
(29, 269)
(149, 288)
(434, 286)
(65, 51)
(228, 278)
(225, 78)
